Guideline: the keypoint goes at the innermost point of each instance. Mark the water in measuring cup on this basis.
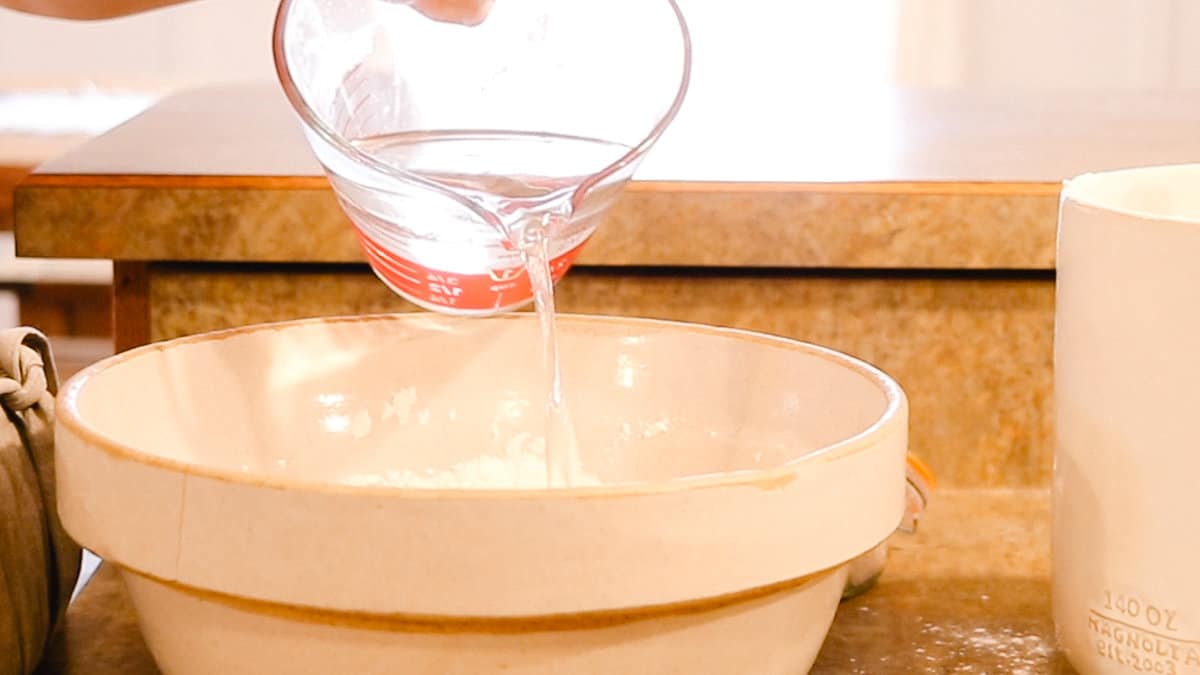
(523, 186)
(513, 178)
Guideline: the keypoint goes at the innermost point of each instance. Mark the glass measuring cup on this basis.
(451, 145)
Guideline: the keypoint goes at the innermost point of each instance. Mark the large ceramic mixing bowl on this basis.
(276, 497)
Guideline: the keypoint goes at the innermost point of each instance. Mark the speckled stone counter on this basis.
(969, 593)
(964, 180)
(920, 237)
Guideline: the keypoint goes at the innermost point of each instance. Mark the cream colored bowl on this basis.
(239, 480)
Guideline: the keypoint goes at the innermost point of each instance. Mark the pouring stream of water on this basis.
(562, 452)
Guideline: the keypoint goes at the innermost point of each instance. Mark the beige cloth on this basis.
(39, 564)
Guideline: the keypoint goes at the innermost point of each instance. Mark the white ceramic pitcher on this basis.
(1127, 463)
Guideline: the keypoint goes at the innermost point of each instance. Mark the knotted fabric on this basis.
(39, 564)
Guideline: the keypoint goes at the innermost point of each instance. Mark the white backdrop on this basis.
(1039, 43)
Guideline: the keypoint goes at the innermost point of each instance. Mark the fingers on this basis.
(467, 12)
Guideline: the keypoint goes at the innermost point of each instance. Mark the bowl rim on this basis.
(69, 417)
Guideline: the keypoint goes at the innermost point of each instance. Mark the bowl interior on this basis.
(396, 400)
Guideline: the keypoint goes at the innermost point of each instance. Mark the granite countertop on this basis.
(876, 179)
(969, 593)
